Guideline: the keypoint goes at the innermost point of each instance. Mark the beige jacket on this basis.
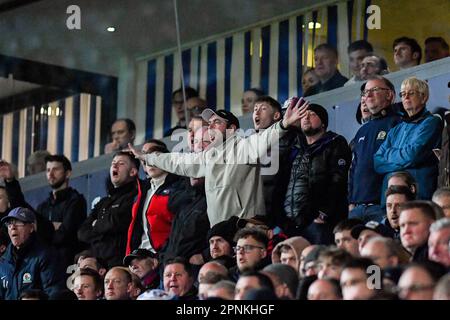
(233, 182)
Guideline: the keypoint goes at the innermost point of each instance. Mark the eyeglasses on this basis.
(410, 93)
(171, 274)
(15, 223)
(246, 247)
(365, 93)
(413, 288)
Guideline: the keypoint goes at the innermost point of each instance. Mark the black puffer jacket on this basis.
(318, 181)
(108, 236)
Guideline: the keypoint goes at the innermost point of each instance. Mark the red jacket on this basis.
(159, 218)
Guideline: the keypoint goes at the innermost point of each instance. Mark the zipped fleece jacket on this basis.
(409, 147)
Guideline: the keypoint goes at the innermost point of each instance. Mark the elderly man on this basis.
(26, 263)
(230, 164)
(364, 183)
(326, 60)
(144, 264)
(438, 242)
(409, 146)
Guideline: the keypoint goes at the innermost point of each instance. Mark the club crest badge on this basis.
(381, 135)
(26, 278)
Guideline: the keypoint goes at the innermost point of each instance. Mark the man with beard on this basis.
(316, 197)
(395, 197)
(65, 208)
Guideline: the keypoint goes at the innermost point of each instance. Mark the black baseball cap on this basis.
(224, 114)
(375, 226)
(139, 254)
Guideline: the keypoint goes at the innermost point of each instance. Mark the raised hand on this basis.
(295, 112)
(137, 153)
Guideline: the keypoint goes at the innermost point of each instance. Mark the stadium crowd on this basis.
(291, 211)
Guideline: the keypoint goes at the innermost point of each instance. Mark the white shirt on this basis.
(154, 185)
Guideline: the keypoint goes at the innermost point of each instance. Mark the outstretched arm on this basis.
(182, 164)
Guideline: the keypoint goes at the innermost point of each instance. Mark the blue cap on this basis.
(22, 214)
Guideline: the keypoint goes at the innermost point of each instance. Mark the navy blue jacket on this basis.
(32, 267)
(364, 182)
(409, 146)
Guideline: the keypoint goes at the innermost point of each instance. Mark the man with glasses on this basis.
(251, 251)
(418, 281)
(409, 146)
(364, 183)
(151, 218)
(27, 263)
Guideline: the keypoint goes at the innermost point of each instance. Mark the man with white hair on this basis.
(438, 242)
(27, 263)
(409, 145)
